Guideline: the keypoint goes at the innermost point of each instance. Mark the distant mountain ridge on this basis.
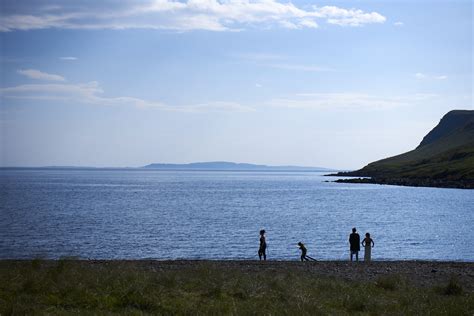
(444, 158)
(225, 165)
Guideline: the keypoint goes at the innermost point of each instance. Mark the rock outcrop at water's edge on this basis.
(444, 158)
(411, 182)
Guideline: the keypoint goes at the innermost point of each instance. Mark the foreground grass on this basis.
(72, 287)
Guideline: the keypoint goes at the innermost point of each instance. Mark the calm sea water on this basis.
(111, 214)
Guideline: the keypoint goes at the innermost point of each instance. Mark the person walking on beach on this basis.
(368, 244)
(263, 246)
(303, 252)
(354, 241)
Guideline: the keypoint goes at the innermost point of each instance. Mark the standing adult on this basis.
(263, 246)
(354, 241)
(368, 243)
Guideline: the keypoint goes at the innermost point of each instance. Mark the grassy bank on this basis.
(150, 287)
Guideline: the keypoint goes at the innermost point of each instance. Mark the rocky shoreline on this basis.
(407, 182)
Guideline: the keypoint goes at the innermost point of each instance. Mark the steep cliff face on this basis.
(444, 158)
(454, 122)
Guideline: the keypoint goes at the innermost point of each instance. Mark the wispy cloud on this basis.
(39, 75)
(259, 56)
(300, 67)
(211, 15)
(92, 93)
(280, 62)
(422, 76)
(69, 58)
(398, 23)
(345, 101)
(215, 107)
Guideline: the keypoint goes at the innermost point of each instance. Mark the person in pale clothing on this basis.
(368, 244)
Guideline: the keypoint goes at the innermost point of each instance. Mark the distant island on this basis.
(444, 158)
(229, 166)
(195, 166)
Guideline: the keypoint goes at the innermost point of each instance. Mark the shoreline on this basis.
(424, 183)
(234, 260)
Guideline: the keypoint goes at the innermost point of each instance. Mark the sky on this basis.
(334, 84)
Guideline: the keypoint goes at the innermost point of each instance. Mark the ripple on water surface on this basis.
(217, 215)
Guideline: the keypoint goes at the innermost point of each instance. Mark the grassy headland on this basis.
(444, 158)
(235, 288)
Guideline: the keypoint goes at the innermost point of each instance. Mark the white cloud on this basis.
(289, 25)
(309, 23)
(212, 15)
(39, 75)
(422, 76)
(91, 93)
(349, 17)
(68, 58)
(398, 23)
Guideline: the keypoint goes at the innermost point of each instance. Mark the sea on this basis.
(152, 214)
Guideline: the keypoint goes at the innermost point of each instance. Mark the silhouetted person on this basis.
(303, 252)
(263, 246)
(368, 243)
(354, 241)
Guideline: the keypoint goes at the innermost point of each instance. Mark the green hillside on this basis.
(445, 158)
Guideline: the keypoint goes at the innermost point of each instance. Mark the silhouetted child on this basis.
(368, 243)
(303, 252)
(263, 246)
(354, 241)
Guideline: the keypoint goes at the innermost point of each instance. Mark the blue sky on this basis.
(334, 84)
